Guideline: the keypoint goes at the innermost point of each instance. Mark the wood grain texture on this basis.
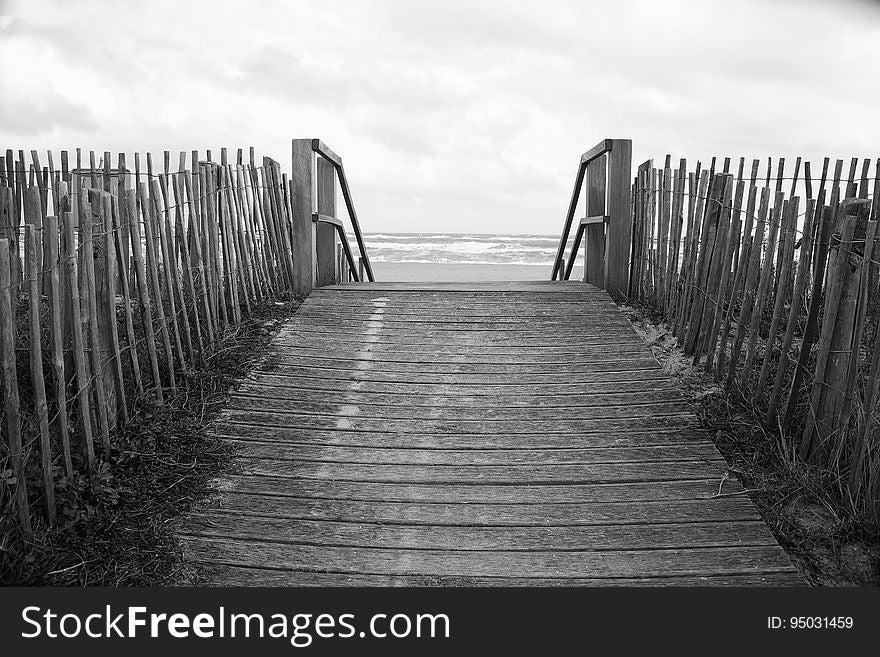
(454, 434)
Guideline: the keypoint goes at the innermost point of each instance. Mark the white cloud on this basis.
(455, 115)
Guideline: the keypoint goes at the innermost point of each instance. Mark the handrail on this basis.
(612, 250)
(601, 148)
(322, 149)
(343, 238)
(578, 236)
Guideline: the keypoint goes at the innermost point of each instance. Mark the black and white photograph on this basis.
(336, 298)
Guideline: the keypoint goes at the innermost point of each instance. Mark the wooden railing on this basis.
(315, 224)
(607, 224)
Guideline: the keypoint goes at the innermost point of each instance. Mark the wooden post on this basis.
(9, 230)
(764, 283)
(824, 219)
(675, 246)
(619, 226)
(797, 302)
(664, 189)
(751, 284)
(123, 259)
(198, 256)
(733, 220)
(10, 382)
(688, 295)
(594, 255)
(325, 234)
(119, 218)
(304, 233)
(105, 301)
(211, 238)
(740, 268)
(143, 298)
(32, 261)
(703, 268)
(93, 259)
(148, 211)
(33, 215)
(186, 264)
(77, 342)
(109, 302)
(340, 259)
(55, 294)
(784, 267)
(837, 338)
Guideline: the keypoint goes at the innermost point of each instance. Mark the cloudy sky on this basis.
(451, 116)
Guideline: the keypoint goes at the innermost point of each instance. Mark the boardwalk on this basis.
(505, 433)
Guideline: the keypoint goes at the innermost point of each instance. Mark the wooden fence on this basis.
(115, 283)
(770, 282)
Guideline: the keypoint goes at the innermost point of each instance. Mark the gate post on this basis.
(305, 263)
(325, 234)
(617, 249)
(594, 233)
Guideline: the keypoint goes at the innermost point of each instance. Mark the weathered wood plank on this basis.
(479, 475)
(519, 342)
(211, 573)
(520, 287)
(491, 433)
(280, 406)
(458, 538)
(636, 563)
(621, 422)
(520, 514)
(311, 398)
(381, 455)
(378, 381)
(597, 363)
(592, 437)
(588, 372)
(384, 357)
(610, 382)
(589, 493)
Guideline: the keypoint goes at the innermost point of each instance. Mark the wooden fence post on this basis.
(617, 246)
(325, 234)
(594, 254)
(303, 247)
(32, 259)
(8, 302)
(56, 293)
(828, 398)
(91, 253)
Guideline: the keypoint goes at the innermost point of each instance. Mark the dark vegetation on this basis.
(114, 526)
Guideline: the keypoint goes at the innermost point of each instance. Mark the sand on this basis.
(399, 271)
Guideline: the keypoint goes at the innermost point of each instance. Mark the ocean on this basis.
(461, 257)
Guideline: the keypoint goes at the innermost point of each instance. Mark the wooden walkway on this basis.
(454, 434)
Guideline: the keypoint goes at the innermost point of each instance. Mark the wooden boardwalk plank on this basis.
(441, 441)
(635, 421)
(534, 474)
(480, 538)
(522, 514)
(449, 457)
(213, 573)
(481, 434)
(559, 564)
(589, 493)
